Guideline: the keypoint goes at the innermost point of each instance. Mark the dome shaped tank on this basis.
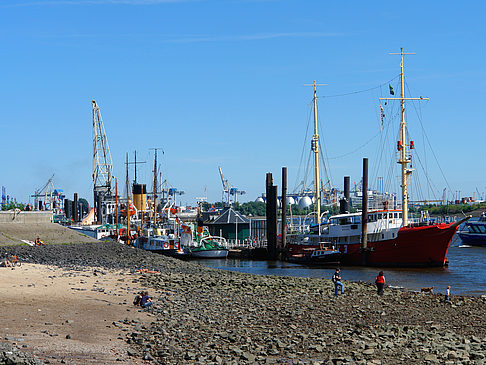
(305, 202)
(290, 201)
(260, 200)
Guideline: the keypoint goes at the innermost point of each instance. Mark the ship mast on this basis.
(315, 149)
(404, 159)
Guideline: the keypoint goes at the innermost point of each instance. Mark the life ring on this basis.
(166, 244)
(176, 245)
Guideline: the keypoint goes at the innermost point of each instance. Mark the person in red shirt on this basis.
(380, 282)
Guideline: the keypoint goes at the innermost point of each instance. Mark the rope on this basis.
(356, 149)
(359, 91)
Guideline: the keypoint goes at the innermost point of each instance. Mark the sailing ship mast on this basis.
(404, 159)
(315, 150)
(155, 187)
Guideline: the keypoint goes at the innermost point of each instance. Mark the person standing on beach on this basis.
(380, 282)
(448, 294)
(336, 279)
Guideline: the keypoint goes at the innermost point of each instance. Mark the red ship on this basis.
(389, 240)
(389, 243)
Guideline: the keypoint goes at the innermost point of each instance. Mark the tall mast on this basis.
(404, 159)
(128, 206)
(315, 149)
(155, 187)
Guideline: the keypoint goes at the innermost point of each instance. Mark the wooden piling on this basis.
(284, 207)
(364, 214)
(271, 209)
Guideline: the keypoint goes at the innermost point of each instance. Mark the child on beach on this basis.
(336, 279)
(448, 294)
(380, 282)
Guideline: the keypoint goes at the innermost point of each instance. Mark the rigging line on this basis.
(356, 149)
(429, 181)
(430, 145)
(324, 155)
(359, 91)
(303, 150)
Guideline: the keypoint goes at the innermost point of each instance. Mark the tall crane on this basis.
(226, 189)
(45, 192)
(102, 163)
(229, 191)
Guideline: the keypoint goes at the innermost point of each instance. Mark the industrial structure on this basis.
(49, 198)
(104, 200)
(230, 193)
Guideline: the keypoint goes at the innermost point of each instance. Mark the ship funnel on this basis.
(140, 196)
(344, 203)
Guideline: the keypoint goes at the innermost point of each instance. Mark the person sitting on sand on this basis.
(336, 279)
(38, 242)
(380, 282)
(138, 299)
(7, 263)
(145, 301)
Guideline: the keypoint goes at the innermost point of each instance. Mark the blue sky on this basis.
(220, 83)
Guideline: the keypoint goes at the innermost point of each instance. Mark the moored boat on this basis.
(159, 241)
(474, 232)
(210, 248)
(389, 239)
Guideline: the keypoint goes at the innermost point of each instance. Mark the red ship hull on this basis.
(419, 246)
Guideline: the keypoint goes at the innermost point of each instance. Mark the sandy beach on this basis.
(67, 315)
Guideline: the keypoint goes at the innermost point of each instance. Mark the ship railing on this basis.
(247, 243)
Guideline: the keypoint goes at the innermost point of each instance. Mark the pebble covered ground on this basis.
(209, 316)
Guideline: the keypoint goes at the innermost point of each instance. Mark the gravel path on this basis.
(208, 316)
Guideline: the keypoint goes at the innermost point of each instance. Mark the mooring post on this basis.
(284, 207)
(346, 193)
(364, 214)
(75, 211)
(271, 209)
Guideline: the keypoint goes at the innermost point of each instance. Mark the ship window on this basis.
(482, 229)
(379, 215)
(475, 229)
(383, 236)
(399, 215)
(396, 215)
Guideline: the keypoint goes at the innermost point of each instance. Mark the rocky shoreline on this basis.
(207, 316)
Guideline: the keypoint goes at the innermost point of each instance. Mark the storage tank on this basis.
(260, 200)
(305, 202)
(290, 200)
(140, 196)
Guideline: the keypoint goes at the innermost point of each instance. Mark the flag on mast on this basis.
(382, 117)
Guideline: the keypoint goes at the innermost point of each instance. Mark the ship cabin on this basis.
(346, 228)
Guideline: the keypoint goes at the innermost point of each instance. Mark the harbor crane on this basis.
(102, 164)
(229, 191)
(48, 195)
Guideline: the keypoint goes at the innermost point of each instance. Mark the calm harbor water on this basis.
(466, 273)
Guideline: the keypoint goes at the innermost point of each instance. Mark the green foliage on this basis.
(13, 205)
(85, 205)
(450, 209)
(251, 208)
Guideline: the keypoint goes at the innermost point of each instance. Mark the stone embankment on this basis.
(207, 316)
